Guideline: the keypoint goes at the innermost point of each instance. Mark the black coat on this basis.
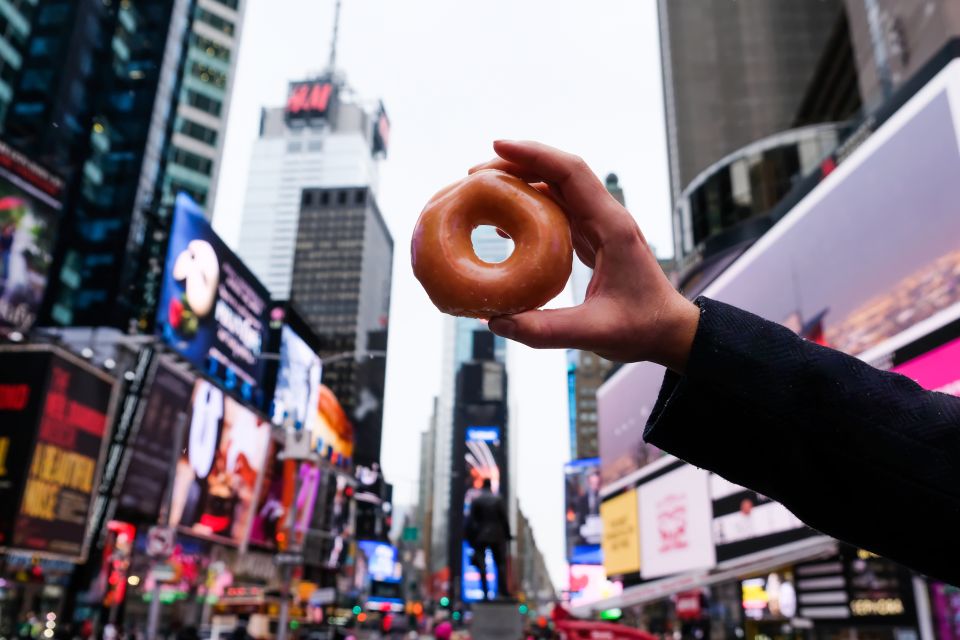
(866, 456)
(487, 522)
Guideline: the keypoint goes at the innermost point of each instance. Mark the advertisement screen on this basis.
(332, 520)
(212, 310)
(483, 460)
(676, 533)
(298, 381)
(381, 131)
(152, 450)
(380, 560)
(866, 255)
(621, 534)
(588, 584)
(63, 464)
(30, 203)
(226, 450)
(936, 370)
(584, 527)
(745, 521)
(272, 504)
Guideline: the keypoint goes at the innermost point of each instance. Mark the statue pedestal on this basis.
(496, 620)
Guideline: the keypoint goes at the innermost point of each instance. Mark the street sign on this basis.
(288, 559)
(161, 541)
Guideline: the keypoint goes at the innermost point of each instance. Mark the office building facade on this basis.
(342, 270)
(324, 137)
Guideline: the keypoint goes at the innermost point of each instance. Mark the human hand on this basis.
(631, 311)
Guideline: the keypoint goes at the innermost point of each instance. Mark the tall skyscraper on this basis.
(342, 268)
(96, 98)
(323, 137)
(17, 22)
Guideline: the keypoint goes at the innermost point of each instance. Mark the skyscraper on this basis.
(342, 268)
(17, 19)
(323, 137)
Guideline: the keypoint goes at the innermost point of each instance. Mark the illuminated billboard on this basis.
(588, 583)
(227, 447)
(311, 99)
(30, 204)
(298, 380)
(867, 255)
(212, 310)
(53, 418)
(484, 459)
(583, 523)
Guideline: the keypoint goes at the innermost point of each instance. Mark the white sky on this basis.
(454, 76)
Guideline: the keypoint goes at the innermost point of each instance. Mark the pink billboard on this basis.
(937, 370)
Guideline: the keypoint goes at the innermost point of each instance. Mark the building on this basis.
(426, 480)
(323, 137)
(18, 19)
(532, 580)
(97, 94)
(342, 266)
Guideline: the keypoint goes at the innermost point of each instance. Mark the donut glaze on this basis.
(460, 283)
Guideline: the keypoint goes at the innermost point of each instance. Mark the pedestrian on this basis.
(443, 631)
(864, 455)
(240, 631)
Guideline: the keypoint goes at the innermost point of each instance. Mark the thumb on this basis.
(547, 329)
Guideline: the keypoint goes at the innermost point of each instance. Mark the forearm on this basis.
(866, 456)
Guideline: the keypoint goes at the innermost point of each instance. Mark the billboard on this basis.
(675, 521)
(298, 380)
(745, 521)
(867, 254)
(588, 584)
(583, 523)
(53, 422)
(484, 459)
(621, 534)
(30, 204)
(311, 99)
(212, 310)
(381, 131)
(167, 405)
(216, 477)
(380, 560)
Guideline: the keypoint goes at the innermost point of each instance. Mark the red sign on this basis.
(309, 99)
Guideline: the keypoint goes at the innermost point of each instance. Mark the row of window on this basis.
(211, 48)
(204, 103)
(323, 198)
(197, 131)
(191, 161)
(295, 146)
(208, 74)
(215, 21)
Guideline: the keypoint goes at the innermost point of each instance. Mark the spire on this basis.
(333, 43)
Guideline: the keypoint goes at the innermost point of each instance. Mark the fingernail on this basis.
(503, 327)
(501, 141)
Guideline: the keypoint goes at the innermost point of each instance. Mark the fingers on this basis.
(547, 329)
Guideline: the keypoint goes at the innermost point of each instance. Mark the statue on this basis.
(487, 527)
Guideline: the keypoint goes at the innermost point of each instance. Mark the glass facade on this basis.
(341, 285)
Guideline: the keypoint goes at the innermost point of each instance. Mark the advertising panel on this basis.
(588, 584)
(63, 465)
(152, 450)
(867, 254)
(381, 131)
(311, 99)
(769, 597)
(216, 477)
(379, 560)
(675, 521)
(298, 381)
(621, 534)
(584, 527)
(331, 522)
(745, 521)
(936, 370)
(272, 504)
(212, 310)
(30, 204)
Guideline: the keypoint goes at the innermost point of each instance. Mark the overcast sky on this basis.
(454, 76)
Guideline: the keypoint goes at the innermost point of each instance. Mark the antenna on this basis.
(333, 43)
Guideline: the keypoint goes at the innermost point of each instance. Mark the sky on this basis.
(454, 76)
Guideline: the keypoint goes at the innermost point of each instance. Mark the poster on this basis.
(583, 523)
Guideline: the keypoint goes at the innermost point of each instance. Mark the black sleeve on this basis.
(866, 456)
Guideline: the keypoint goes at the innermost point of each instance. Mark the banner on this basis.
(584, 526)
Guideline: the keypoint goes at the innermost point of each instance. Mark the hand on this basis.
(631, 311)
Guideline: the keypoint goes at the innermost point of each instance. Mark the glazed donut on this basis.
(460, 283)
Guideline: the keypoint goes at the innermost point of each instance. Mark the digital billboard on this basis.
(588, 583)
(867, 255)
(310, 99)
(212, 310)
(484, 459)
(380, 560)
(583, 523)
(150, 453)
(621, 534)
(53, 422)
(227, 447)
(30, 204)
(675, 527)
(298, 380)
(381, 131)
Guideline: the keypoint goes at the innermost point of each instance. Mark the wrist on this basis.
(678, 322)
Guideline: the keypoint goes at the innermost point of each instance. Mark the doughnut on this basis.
(461, 284)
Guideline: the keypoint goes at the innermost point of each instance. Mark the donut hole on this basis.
(490, 244)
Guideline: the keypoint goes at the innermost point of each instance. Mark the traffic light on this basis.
(456, 615)
(524, 609)
(444, 601)
(357, 610)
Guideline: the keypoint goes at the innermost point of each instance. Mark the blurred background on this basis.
(226, 403)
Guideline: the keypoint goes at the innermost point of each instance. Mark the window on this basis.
(204, 103)
(342, 197)
(215, 21)
(294, 147)
(360, 196)
(208, 74)
(230, 3)
(191, 161)
(197, 131)
(210, 47)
